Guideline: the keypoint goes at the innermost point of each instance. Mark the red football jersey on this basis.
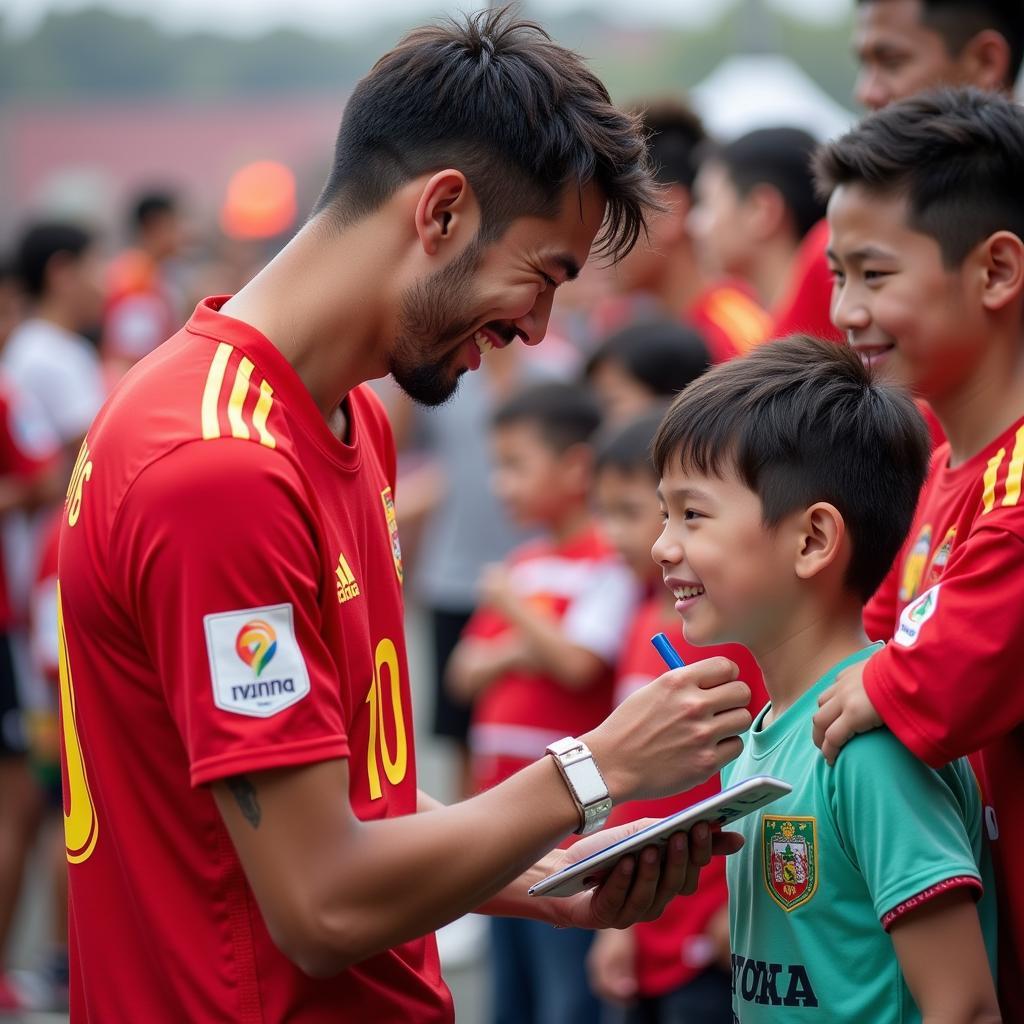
(805, 307)
(730, 320)
(583, 585)
(28, 448)
(673, 950)
(949, 681)
(229, 601)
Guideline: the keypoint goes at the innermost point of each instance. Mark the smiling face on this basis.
(489, 295)
(917, 322)
(733, 578)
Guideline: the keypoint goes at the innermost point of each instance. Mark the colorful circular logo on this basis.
(256, 644)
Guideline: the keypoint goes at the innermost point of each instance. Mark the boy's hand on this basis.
(495, 589)
(611, 965)
(673, 733)
(844, 711)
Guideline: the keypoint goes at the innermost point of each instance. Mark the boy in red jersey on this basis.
(241, 806)
(676, 968)
(536, 658)
(927, 246)
(665, 266)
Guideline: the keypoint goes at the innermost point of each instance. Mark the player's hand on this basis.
(844, 710)
(611, 965)
(674, 733)
(640, 885)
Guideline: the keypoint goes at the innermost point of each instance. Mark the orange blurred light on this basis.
(260, 201)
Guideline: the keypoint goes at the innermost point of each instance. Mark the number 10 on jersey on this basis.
(381, 692)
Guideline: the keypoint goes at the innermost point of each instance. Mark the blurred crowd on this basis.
(526, 504)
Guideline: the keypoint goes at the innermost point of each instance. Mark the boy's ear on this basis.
(767, 210)
(822, 532)
(1003, 267)
(669, 228)
(447, 210)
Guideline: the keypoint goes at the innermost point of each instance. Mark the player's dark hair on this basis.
(675, 137)
(957, 22)
(564, 414)
(956, 156)
(803, 420)
(39, 244)
(627, 448)
(662, 355)
(493, 96)
(150, 206)
(779, 157)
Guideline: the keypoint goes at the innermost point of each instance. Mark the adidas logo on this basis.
(347, 586)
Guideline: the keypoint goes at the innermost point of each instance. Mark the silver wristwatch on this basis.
(586, 785)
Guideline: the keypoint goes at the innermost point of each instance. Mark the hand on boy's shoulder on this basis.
(844, 711)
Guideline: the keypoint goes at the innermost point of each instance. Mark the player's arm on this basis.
(940, 686)
(334, 890)
(942, 955)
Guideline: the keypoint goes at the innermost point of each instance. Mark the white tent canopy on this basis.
(751, 91)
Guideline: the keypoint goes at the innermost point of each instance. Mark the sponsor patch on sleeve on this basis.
(256, 666)
(915, 615)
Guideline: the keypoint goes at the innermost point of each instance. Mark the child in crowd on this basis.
(537, 657)
(675, 969)
(788, 481)
(641, 364)
(755, 203)
(927, 222)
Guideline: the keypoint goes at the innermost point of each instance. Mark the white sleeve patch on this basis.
(256, 666)
(915, 615)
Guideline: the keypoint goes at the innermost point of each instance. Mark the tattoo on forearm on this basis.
(244, 793)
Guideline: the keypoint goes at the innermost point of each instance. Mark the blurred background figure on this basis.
(143, 304)
(665, 272)
(755, 203)
(643, 365)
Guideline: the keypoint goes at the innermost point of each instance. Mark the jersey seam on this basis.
(282, 755)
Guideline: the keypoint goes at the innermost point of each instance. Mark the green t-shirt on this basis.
(822, 867)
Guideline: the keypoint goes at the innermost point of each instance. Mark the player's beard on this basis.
(427, 324)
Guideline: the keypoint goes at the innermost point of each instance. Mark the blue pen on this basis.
(664, 647)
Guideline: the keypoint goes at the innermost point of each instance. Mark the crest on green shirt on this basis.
(789, 852)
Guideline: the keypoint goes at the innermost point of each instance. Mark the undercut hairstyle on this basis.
(800, 421)
(675, 139)
(150, 206)
(662, 355)
(496, 98)
(956, 156)
(628, 447)
(779, 157)
(957, 22)
(563, 414)
(37, 247)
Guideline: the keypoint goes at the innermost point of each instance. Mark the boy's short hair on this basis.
(957, 22)
(37, 247)
(150, 206)
(628, 447)
(663, 355)
(803, 420)
(564, 414)
(675, 135)
(780, 157)
(956, 156)
(522, 117)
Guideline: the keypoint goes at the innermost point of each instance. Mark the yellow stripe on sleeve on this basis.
(988, 496)
(1015, 472)
(261, 412)
(211, 393)
(238, 392)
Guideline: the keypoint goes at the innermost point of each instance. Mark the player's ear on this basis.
(446, 211)
(1002, 266)
(985, 60)
(820, 539)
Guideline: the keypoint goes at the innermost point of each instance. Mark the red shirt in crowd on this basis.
(673, 950)
(805, 306)
(583, 585)
(949, 682)
(729, 319)
(230, 601)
